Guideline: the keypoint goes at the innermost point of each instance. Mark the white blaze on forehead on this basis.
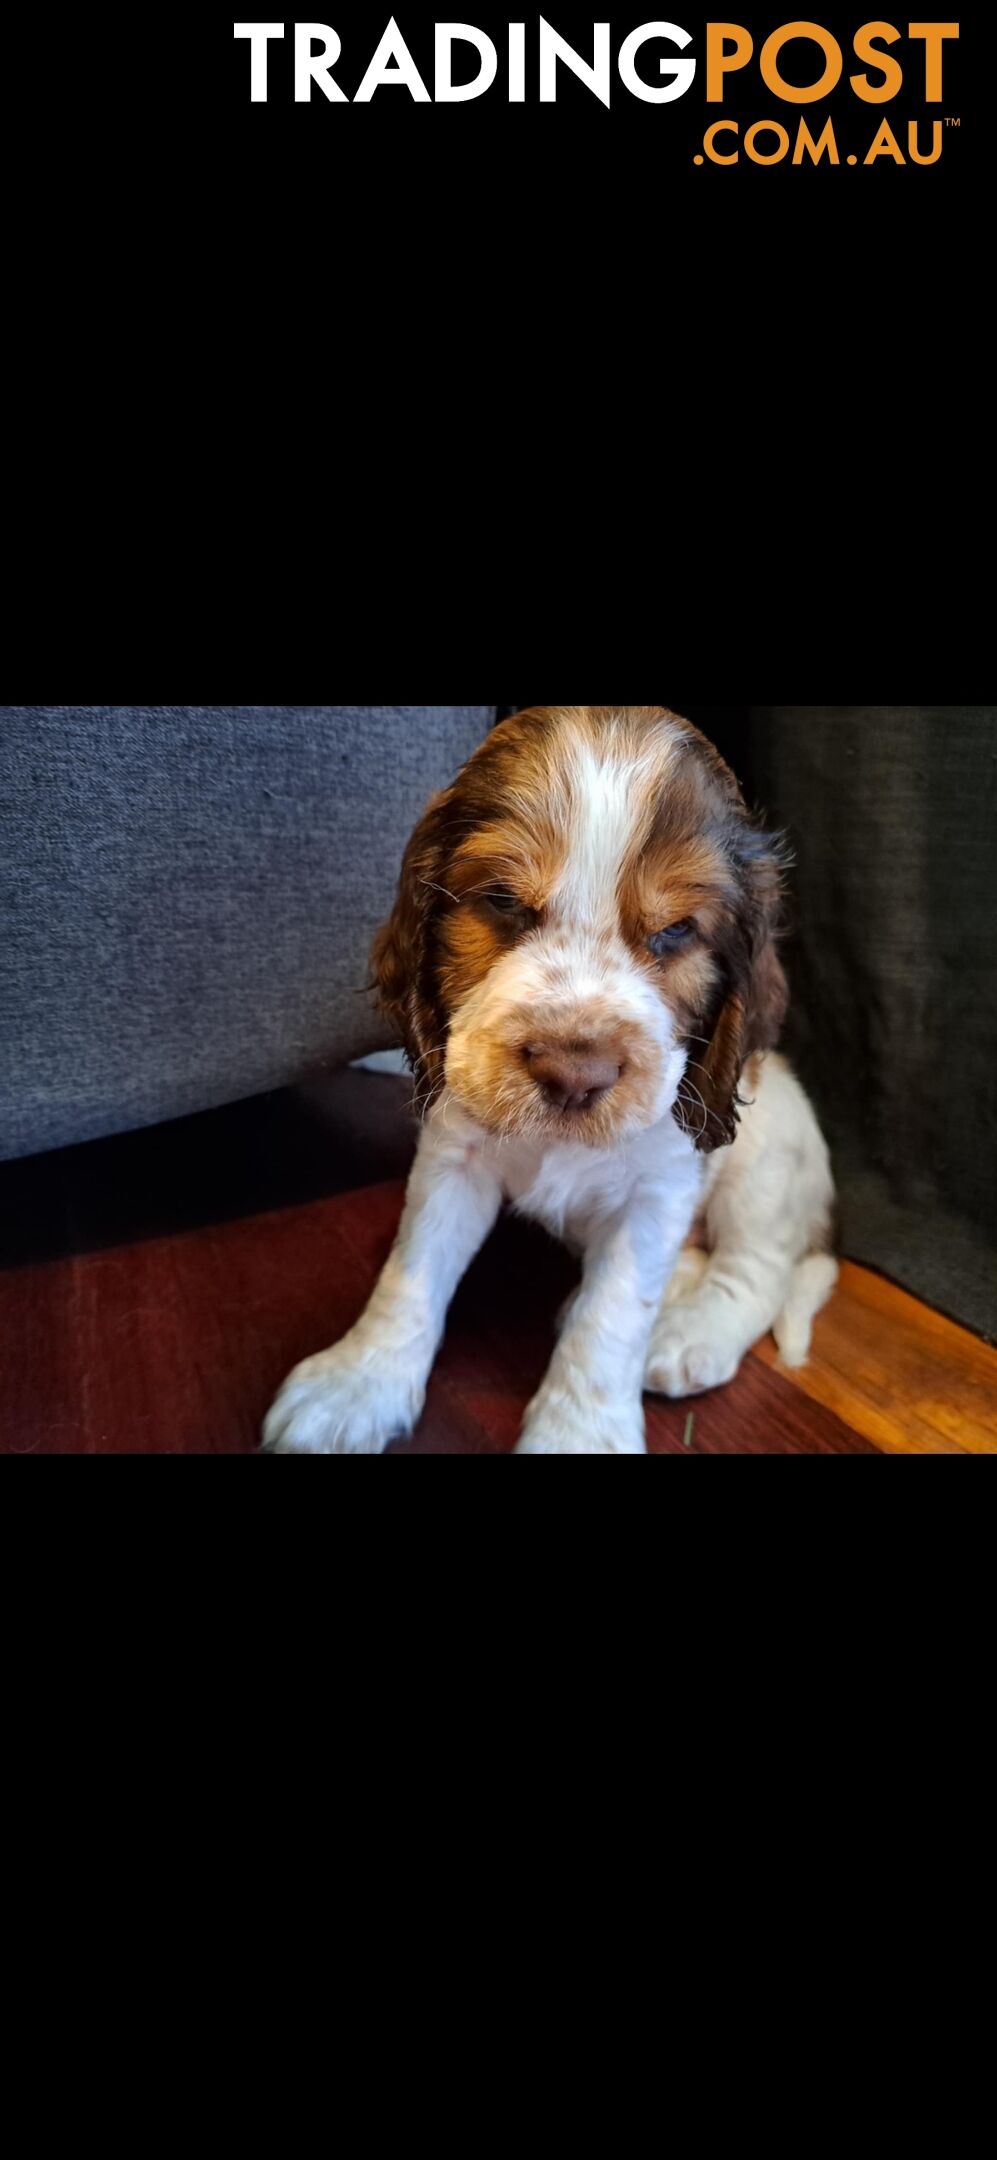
(607, 790)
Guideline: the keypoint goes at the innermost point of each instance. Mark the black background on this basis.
(394, 401)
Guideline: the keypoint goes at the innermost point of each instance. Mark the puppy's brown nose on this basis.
(572, 1079)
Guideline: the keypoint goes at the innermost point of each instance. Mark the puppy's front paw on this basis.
(338, 1404)
(558, 1425)
(688, 1354)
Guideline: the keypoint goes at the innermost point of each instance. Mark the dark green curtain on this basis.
(892, 815)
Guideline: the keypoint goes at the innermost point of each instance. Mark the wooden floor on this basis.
(891, 1369)
(155, 1290)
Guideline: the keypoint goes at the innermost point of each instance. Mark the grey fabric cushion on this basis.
(892, 812)
(188, 895)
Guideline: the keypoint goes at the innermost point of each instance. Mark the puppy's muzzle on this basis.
(572, 1077)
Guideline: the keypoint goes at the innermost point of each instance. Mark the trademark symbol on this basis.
(953, 123)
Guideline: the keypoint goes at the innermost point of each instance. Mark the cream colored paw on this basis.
(684, 1359)
(557, 1426)
(334, 1405)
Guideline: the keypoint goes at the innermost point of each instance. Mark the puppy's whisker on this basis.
(698, 1098)
(707, 1112)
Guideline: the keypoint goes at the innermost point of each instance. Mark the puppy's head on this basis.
(584, 935)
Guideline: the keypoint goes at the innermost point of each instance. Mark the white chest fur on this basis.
(569, 1188)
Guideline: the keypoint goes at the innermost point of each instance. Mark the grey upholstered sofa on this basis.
(188, 894)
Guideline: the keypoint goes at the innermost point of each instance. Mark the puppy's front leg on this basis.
(370, 1387)
(590, 1402)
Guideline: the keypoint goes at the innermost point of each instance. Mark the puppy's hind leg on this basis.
(767, 1217)
(699, 1341)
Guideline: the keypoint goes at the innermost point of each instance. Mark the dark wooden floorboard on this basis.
(177, 1344)
(156, 1287)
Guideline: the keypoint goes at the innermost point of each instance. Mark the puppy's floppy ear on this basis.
(754, 996)
(402, 958)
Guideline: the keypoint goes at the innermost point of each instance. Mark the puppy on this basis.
(582, 964)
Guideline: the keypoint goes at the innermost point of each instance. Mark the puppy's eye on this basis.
(672, 940)
(506, 903)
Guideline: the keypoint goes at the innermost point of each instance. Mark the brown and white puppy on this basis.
(582, 964)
